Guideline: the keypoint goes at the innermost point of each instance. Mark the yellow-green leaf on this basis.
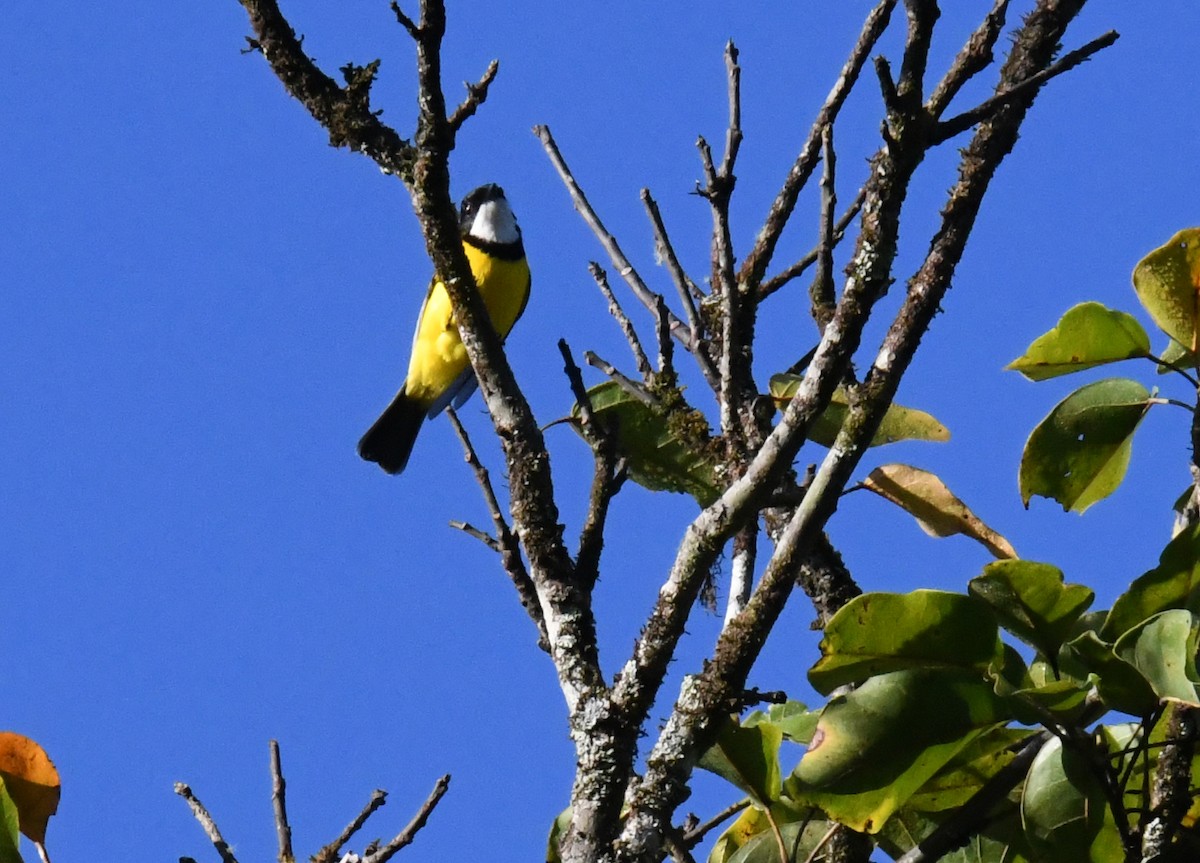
(1065, 812)
(1087, 336)
(1174, 583)
(1079, 453)
(881, 632)
(1163, 649)
(899, 423)
(748, 757)
(1167, 282)
(1032, 601)
(937, 510)
(655, 456)
(879, 744)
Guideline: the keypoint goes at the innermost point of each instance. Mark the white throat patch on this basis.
(495, 223)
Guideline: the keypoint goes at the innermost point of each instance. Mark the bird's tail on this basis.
(390, 440)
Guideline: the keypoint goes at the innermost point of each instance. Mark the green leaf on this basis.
(794, 720)
(800, 837)
(1032, 602)
(1167, 282)
(1078, 454)
(899, 423)
(936, 509)
(877, 745)
(748, 758)
(1174, 583)
(1178, 356)
(557, 831)
(908, 828)
(753, 827)
(880, 632)
(1121, 686)
(1087, 336)
(1163, 649)
(10, 837)
(1065, 812)
(966, 772)
(656, 458)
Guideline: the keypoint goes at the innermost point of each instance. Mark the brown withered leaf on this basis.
(939, 513)
(32, 782)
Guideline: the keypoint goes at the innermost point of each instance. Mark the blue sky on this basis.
(204, 306)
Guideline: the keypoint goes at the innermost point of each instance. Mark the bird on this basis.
(438, 370)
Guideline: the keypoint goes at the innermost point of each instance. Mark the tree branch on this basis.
(756, 263)
(283, 830)
(345, 113)
(206, 822)
(409, 833)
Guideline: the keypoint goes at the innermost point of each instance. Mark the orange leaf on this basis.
(32, 782)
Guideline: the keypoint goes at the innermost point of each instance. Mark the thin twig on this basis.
(973, 58)
(678, 328)
(955, 125)
(666, 349)
(629, 385)
(407, 23)
(406, 836)
(696, 835)
(331, 852)
(684, 286)
(476, 94)
(774, 283)
(607, 478)
(689, 293)
(283, 830)
(206, 822)
(481, 535)
(614, 309)
(506, 540)
(824, 301)
(756, 263)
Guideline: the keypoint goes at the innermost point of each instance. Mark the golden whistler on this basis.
(438, 371)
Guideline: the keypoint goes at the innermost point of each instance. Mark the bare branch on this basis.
(345, 113)
(666, 350)
(607, 477)
(476, 96)
(630, 386)
(975, 56)
(331, 852)
(756, 263)
(695, 835)
(283, 830)
(505, 540)
(407, 23)
(481, 535)
(406, 836)
(733, 132)
(614, 308)
(822, 291)
(206, 822)
(678, 328)
(774, 283)
(1013, 93)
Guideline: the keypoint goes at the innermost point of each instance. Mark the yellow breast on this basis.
(438, 356)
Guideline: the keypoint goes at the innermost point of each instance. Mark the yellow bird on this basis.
(438, 371)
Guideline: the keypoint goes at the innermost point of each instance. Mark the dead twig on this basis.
(283, 830)
(206, 822)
